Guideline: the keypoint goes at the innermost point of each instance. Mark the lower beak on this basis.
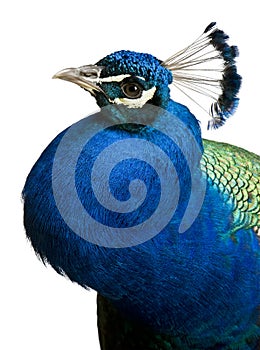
(86, 77)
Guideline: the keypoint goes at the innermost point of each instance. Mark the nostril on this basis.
(90, 71)
(88, 75)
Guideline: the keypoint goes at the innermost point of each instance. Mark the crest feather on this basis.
(208, 67)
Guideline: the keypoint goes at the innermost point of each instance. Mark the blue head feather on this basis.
(138, 64)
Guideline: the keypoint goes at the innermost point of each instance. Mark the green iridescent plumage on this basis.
(235, 172)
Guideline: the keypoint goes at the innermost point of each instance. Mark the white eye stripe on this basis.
(115, 78)
(137, 102)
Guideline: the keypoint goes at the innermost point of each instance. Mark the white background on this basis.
(41, 310)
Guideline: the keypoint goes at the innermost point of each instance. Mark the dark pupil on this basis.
(132, 90)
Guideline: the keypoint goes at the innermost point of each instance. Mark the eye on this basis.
(132, 89)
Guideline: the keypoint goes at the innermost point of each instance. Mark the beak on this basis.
(86, 77)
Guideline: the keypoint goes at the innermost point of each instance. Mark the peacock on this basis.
(133, 203)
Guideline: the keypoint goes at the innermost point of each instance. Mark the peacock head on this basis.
(124, 77)
(129, 78)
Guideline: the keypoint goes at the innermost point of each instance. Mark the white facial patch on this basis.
(137, 102)
(131, 103)
(115, 78)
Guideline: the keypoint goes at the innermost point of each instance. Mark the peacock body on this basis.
(181, 284)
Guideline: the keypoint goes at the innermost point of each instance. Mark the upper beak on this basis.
(86, 77)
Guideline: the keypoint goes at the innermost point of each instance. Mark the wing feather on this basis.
(235, 172)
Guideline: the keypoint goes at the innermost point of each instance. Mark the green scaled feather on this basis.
(235, 172)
